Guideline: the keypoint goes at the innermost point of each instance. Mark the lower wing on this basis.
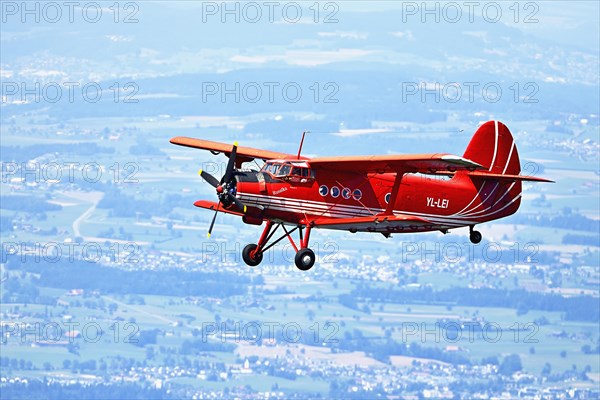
(212, 205)
(381, 223)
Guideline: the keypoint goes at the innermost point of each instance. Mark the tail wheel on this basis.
(475, 237)
(305, 259)
(252, 261)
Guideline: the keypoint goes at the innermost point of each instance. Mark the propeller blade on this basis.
(230, 164)
(241, 206)
(223, 185)
(214, 182)
(212, 222)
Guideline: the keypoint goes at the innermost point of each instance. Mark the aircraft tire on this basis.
(253, 262)
(475, 237)
(305, 259)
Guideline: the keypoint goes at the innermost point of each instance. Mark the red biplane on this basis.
(384, 194)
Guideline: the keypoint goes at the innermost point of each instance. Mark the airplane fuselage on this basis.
(446, 202)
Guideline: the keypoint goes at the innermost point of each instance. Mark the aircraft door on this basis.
(262, 185)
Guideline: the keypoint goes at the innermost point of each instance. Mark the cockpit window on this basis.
(288, 169)
(284, 170)
(301, 172)
(271, 168)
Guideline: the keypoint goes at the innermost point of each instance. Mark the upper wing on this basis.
(508, 177)
(499, 177)
(243, 153)
(396, 163)
(381, 164)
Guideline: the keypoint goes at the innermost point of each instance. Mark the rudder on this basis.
(493, 147)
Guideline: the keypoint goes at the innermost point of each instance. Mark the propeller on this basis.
(225, 187)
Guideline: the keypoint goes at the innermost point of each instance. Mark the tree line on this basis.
(80, 274)
(576, 308)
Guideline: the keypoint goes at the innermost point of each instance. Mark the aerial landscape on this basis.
(111, 289)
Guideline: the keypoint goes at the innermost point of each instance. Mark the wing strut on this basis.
(394, 195)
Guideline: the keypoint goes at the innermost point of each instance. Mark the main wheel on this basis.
(251, 261)
(475, 237)
(305, 259)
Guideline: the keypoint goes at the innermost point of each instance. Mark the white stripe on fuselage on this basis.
(323, 209)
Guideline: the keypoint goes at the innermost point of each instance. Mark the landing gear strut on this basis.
(305, 257)
(474, 236)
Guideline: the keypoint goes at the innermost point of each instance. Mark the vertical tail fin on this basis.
(499, 184)
(493, 147)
